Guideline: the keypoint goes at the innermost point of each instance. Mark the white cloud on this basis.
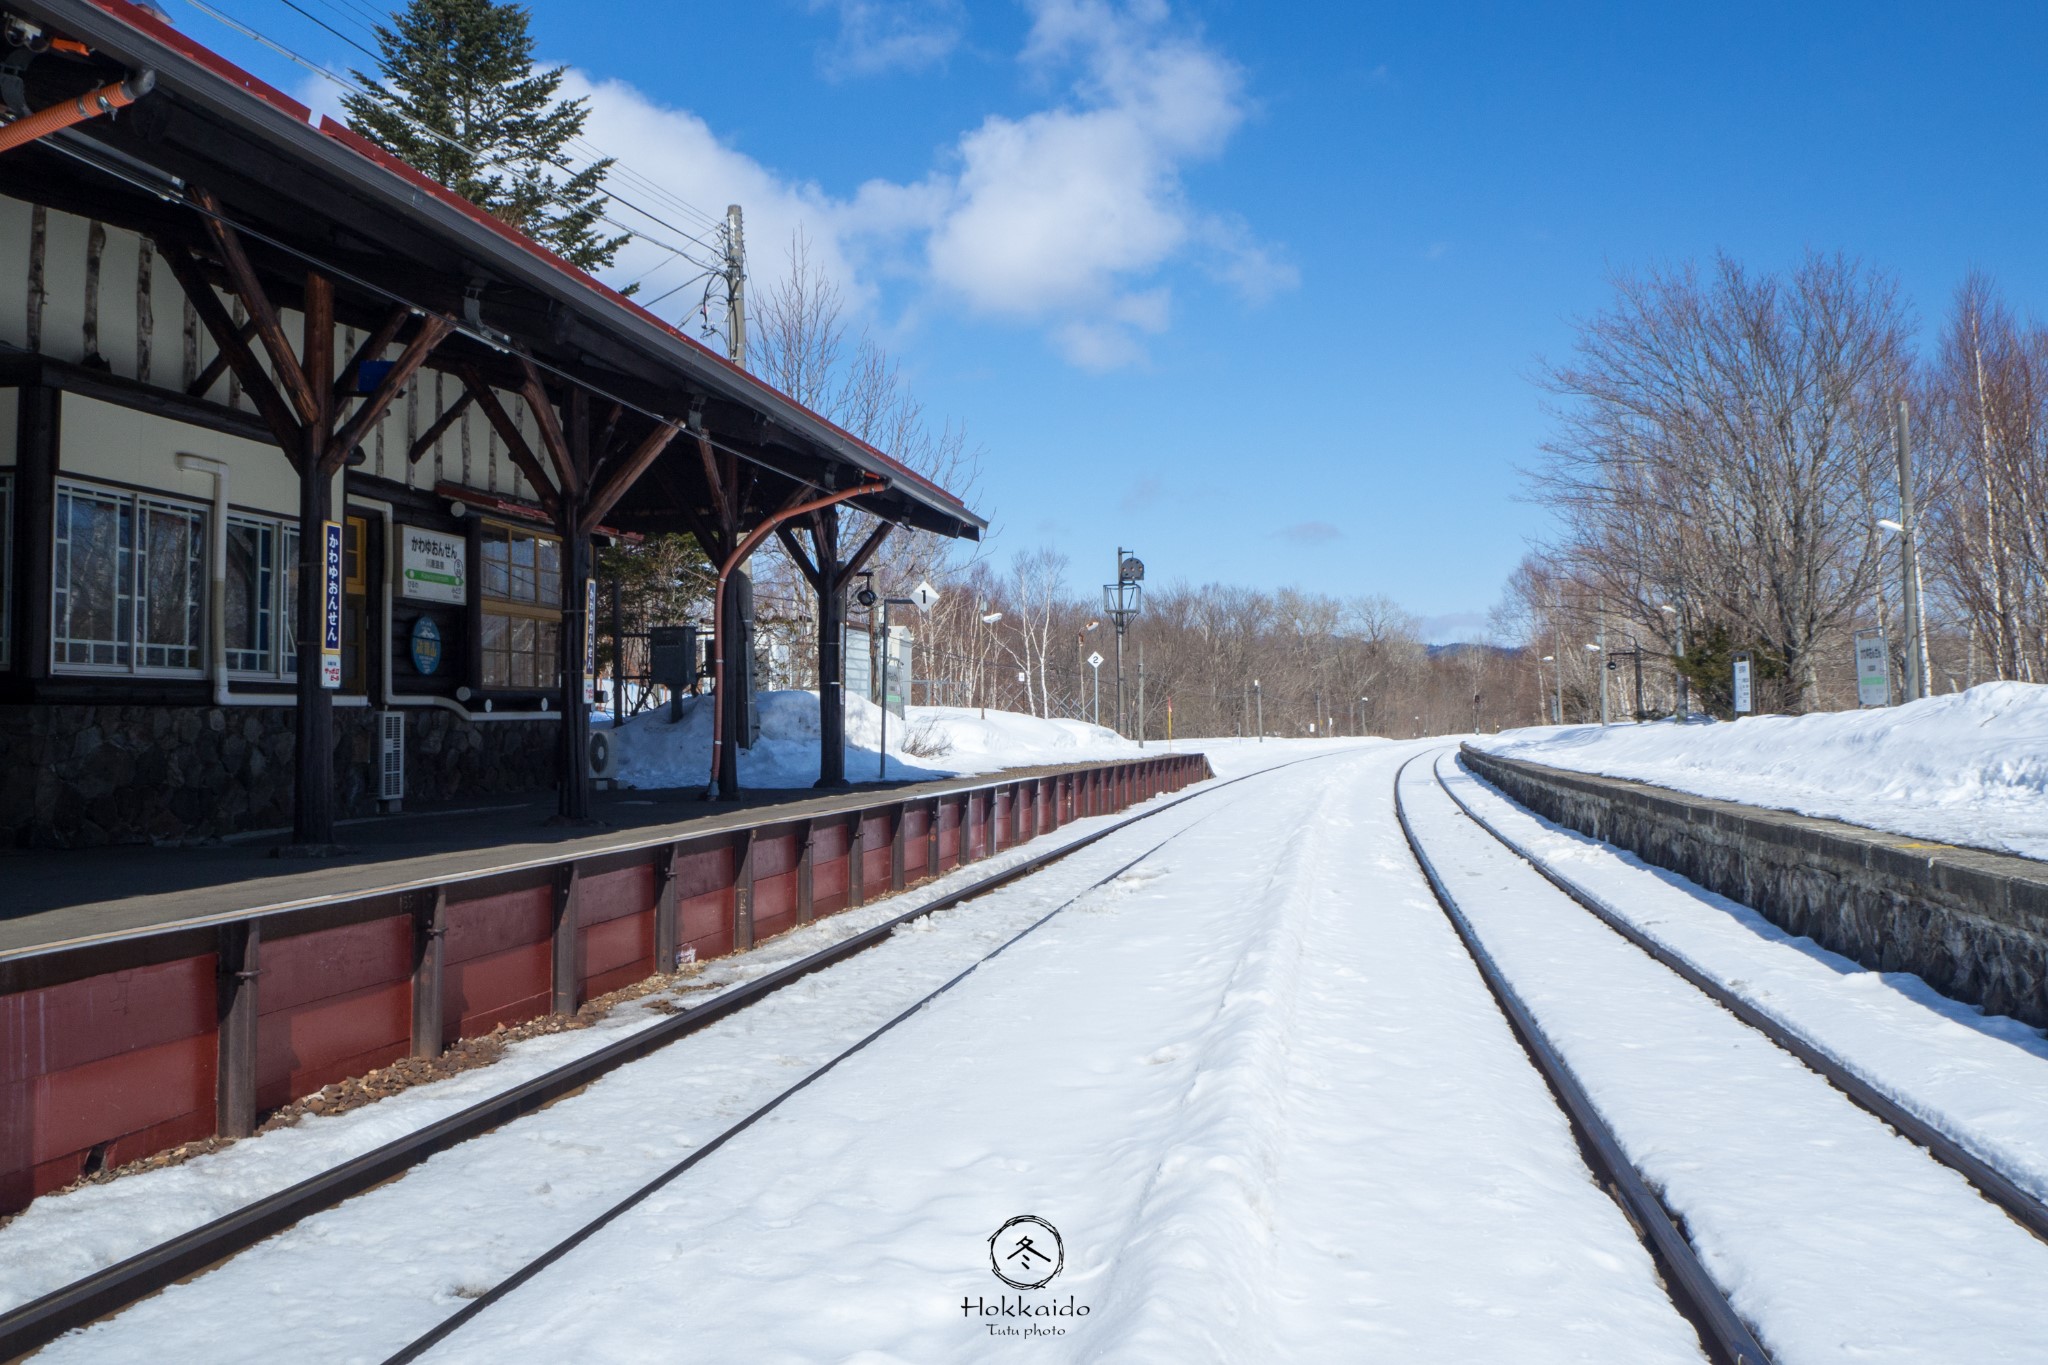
(877, 36)
(1070, 219)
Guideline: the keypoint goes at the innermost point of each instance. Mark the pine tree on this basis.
(461, 102)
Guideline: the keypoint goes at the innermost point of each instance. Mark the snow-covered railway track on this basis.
(93, 1298)
(1790, 1203)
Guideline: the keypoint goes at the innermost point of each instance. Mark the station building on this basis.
(302, 459)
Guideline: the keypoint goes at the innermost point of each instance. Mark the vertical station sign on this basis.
(1873, 669)
(590, 642)
(330, 605)
(1742, 697)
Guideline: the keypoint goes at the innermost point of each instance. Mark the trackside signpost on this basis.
(1873, 669)
(1742, 698)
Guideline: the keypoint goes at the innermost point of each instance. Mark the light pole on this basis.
(1120, 602)
(1550, 659)
(1259, 699)
(1600, 672)
(882, 750)
(1678, 655)
(1909, 567)
(1081, 662)
(988, 618)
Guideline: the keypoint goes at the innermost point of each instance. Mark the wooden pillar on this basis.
(743, 891)
(896, 822)
(566, 973)
(831, 590)
(429, 934)
(572, 747)
(313, 759)
(237, 951)
(806, 872)
(856, 862)
(667, 930)
(37, 435)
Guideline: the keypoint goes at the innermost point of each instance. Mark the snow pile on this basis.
(1966, 768)
(931, 741)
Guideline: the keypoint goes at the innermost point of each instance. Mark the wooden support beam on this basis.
(431, 331)
(237, 949)
(896, 823)
(284, 362)
(285, 426)
(429, 934)
(721, 507)
(806, 872)
(566, 974)
(626, 475)
(218, 366)
(856, 860)
(799, 557)
(551, 434)
(867, 550)
(743, 891)
(373, 347)
(448, 418)
(508, 431)
(667, 931)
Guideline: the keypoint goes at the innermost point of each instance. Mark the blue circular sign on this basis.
(426, 645)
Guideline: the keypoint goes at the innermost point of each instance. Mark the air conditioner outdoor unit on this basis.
(390, 759)
(604, 757)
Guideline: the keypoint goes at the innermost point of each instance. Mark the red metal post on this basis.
(429, 934)
(566, 974)
(238, 947)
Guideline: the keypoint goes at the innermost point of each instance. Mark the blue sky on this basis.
(1261, 290)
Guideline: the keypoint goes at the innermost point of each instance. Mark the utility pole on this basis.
(1916, 631)
(735, 287)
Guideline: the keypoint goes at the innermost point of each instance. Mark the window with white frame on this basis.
(254, 586)
(129, 582)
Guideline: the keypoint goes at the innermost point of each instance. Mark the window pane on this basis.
(522, 651)
(173, 566)
(522, 589)
(497, 663)
(251, 595)
(91, 621)
(551, 573)
(496, 581)
(547, 643)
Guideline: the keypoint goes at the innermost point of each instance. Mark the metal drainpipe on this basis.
(217, 585)
(733, 561)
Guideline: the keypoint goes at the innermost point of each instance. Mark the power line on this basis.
(642, 234)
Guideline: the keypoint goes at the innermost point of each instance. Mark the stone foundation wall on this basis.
(1973, 925)
(79, 776)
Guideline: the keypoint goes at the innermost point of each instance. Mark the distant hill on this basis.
(1459, 647)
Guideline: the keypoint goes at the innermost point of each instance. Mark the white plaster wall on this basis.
(103, 441)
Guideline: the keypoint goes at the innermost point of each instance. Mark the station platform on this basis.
(63, 898)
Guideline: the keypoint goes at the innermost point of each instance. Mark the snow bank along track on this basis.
(989, 819)
(1695, 1290)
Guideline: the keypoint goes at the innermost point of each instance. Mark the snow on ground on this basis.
(1835, 1238)
(929, 741)
(1967, 768)
(1982, 1080)
(1253, 1082)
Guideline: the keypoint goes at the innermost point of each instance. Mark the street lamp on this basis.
(1120, 602)
(1552, 660)
(882, 755)
(1259, 696)
(1600, 672)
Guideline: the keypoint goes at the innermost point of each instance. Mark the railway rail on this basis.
(31, 1325)
(1694, 1290)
